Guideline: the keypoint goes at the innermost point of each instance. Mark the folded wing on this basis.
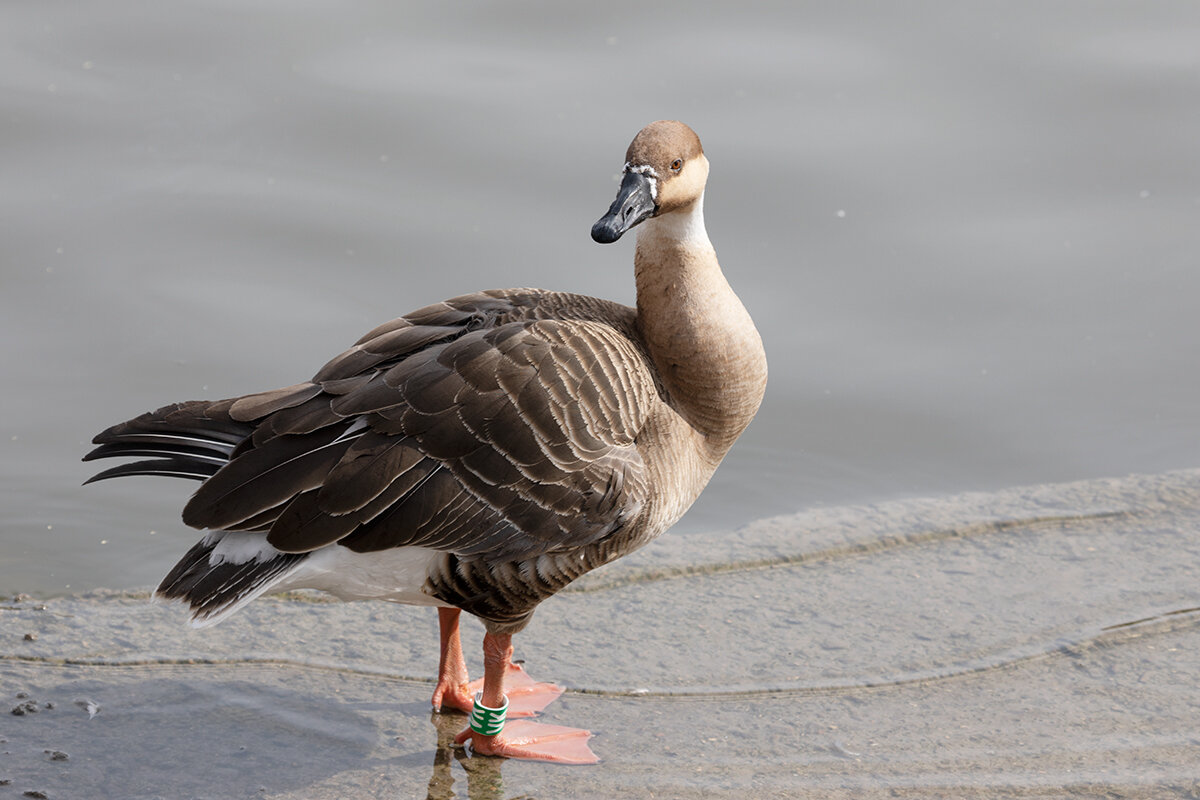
(463, 427)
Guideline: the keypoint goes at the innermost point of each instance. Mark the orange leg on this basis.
(452, 686)
(521, 738)
(456, 691)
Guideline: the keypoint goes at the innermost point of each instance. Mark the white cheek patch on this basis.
(648, 171)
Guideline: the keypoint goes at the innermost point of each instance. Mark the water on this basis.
(966, 234)
(1034, 642)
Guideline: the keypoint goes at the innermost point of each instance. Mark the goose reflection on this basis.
(483, 772)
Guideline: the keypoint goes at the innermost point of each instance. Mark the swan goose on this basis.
(481, 453)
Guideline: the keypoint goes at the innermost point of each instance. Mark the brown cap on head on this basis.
(660, 143)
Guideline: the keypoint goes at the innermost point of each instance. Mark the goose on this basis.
(480, 453)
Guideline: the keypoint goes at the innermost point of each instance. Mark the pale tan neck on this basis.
(700, 336)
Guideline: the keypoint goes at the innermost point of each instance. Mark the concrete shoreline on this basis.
(1038, 642)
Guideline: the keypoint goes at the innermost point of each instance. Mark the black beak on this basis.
(634, 203)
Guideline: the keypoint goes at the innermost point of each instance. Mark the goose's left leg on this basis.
(455, 691)
(452, 688)
(490, 735)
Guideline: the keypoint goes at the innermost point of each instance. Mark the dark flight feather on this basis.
(264, 477)
(497, 426)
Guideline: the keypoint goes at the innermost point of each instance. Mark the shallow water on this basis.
(1037, 642)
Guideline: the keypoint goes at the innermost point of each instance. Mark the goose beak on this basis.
(634, 203)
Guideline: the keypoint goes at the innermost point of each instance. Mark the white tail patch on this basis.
(398, 575)
(237, 547)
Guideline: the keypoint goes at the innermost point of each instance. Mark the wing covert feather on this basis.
(470, 426)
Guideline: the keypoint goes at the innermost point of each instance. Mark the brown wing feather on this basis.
(264, 477)
(369, 467)
(474, 426)
(386, 346)
(253, 406)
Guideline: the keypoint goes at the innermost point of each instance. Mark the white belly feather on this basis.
(398, 575)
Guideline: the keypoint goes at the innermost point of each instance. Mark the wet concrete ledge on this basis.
(1038, 642)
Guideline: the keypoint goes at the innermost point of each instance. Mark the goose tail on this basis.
(183, 440)
(224, 571)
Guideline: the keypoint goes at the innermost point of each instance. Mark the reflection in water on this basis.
(483, 772)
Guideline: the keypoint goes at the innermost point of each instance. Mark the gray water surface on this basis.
(967, 232)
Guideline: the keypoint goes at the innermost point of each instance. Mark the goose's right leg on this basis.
(456, 691)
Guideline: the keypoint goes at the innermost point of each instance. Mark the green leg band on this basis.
(488, 721)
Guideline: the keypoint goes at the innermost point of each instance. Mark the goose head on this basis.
(665, 172)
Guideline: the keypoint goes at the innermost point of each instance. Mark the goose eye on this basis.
(677, 165)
